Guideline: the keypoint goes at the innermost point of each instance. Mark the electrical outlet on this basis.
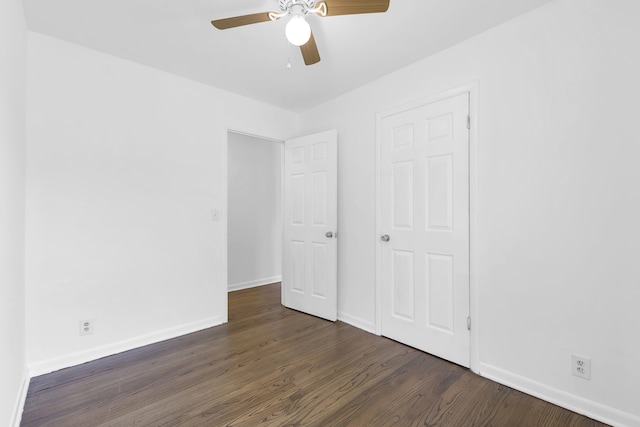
(86, 326)
(581, 366)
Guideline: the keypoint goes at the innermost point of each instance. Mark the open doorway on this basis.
(254, 226)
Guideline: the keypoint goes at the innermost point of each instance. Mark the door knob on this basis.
(385, 238)
(329, 234)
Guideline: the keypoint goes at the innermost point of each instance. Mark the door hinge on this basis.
(469, 323)
(468, 122)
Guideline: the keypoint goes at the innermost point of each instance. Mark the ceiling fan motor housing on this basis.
(286, 5)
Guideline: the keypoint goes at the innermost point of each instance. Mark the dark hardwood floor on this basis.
(274, 366)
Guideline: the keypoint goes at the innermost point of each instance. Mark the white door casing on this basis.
(424, 267)
(309, 273)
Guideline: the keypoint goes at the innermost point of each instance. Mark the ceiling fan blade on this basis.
(238, 21)
(350, 7)
(310, 51)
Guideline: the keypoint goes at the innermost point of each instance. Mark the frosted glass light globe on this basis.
(297, 30)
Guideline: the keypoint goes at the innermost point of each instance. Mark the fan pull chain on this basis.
(288, 57)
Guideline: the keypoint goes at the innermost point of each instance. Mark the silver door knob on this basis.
(329, 234)
(385, 238)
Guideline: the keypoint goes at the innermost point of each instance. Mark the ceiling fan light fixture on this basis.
(298, 30)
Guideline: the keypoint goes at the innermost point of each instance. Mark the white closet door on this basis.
(424, 251)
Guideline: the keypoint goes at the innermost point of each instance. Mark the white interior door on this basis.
(309, 273)
(424, 242)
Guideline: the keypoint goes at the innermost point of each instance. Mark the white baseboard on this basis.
(22, 397)
(589, 408)
(254, 283)
(357, 322)
(73, 359)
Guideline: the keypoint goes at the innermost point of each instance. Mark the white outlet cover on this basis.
(581, 366)
(85, 327)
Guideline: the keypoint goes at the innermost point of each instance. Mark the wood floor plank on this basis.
(278, 372)
(322, 386)
(271, 366)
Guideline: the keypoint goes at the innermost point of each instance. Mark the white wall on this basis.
(13, 50)
(125, 164)
(255, 217)
(558, 197)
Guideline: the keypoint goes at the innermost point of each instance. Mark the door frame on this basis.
(242, 130)
(472, 89)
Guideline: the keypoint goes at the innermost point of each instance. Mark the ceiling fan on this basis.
(298, 31)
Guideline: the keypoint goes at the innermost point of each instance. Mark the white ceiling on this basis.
(176, 36)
